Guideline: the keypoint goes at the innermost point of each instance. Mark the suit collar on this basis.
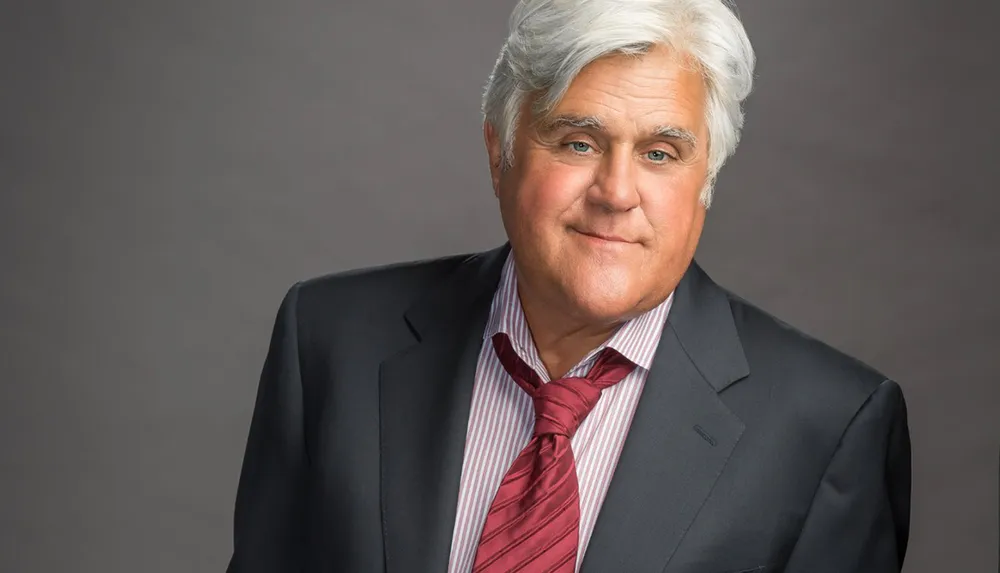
(702, 320)
(469, 288)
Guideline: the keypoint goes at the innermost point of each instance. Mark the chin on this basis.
(603, 299)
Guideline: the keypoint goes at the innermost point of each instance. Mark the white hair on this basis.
(551, 41)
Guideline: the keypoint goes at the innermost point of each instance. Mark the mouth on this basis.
(605, 237)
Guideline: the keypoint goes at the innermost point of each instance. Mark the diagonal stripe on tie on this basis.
(535, 542)
(535, 512)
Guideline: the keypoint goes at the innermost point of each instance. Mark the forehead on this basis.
(657, 88)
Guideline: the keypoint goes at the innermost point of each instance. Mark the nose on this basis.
(614, 187)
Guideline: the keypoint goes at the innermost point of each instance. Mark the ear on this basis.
(494, 151)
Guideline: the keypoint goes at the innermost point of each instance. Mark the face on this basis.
(601, 205)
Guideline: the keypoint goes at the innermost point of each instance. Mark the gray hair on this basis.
(551, 41)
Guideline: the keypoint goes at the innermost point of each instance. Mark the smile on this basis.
(604, 238)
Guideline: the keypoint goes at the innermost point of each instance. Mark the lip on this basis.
(604, 237)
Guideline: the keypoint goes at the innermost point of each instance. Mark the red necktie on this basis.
(534, 521)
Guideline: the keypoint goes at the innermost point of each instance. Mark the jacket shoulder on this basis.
(804, 377)
(364, 300)
(381, 284)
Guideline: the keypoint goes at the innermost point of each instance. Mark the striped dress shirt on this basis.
(502, 419)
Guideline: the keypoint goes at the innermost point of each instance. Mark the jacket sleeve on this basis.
(859, 518)
(268, 528)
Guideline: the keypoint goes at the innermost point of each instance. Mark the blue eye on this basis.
(657, 155)
(579, 147)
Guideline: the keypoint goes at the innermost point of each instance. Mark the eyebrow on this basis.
(673, 132)
(578, 121)
(591, 122)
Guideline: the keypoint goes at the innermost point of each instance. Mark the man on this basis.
(583, 398)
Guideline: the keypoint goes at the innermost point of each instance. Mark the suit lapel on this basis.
(424, 400)
(680, 439)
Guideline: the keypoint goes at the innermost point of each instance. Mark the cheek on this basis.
(674, 213)
(549, 189)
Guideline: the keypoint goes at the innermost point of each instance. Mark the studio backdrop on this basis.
(169, 169)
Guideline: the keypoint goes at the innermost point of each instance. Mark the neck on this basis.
(561, 344)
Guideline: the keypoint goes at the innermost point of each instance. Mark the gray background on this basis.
(169, 169)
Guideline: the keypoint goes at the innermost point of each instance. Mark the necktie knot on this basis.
(562, 405)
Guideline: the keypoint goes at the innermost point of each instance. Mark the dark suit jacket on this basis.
(753, 448)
